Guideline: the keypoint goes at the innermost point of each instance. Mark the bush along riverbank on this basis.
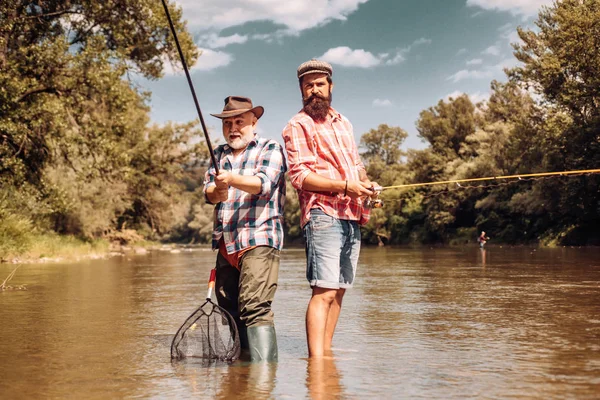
(39, 247)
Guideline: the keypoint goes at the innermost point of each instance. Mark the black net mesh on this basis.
(209, 333)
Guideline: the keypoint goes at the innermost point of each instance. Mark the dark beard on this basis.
(317, 107)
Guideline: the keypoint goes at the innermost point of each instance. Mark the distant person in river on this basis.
(249, 194)
(482, 239)
(332, 184)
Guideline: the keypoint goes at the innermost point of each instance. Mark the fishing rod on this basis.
(378, 203)
(189, 79)
(489, 178)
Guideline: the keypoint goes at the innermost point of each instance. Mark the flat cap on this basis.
(314, 67)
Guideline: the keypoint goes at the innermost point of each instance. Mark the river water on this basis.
(449, 323)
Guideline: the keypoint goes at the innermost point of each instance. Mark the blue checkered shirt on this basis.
(244, 219)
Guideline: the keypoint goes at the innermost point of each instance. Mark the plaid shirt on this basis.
(245, 219)
(327, 149)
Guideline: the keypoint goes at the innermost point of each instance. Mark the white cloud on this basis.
(486, 72)
(475, 61)
(461, 51)
(470, 74)
(524, 7)
(208, 60)
(347, 57)
(360, 58)
(474, 97)
(421, 41)
(273, 36)
(382, 103)
(397, 59)
(211, 59)
(492, 50)
(295, 15)
(401, 53)
(215, 41)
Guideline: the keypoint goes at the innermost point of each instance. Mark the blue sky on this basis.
(391, 58)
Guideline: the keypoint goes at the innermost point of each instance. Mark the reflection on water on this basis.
(241, 380)
(419, 323)
(323, 378)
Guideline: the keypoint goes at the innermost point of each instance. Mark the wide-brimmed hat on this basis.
(236, 105)
(314, 67)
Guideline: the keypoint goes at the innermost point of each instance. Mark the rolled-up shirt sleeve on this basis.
(270, 168)
(300, 153)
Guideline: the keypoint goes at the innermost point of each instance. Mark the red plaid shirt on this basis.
(327, 149)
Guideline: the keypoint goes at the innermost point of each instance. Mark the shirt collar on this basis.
(333, 114)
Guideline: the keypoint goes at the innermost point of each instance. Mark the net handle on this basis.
(211, 283)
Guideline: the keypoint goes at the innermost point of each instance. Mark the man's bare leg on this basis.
(332, 318)
(317, 313)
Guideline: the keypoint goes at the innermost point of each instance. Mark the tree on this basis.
(446, 125)
(61, 63)
(561, 62)
(383, 143)
(73, 126)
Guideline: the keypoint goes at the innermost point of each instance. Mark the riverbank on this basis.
(53, 248)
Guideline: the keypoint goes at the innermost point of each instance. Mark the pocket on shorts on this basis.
(319, 220)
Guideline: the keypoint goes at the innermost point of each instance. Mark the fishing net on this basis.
(210, 333)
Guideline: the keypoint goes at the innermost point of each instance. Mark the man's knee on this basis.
(325, 295)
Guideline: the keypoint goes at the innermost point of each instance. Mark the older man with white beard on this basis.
(249, 193)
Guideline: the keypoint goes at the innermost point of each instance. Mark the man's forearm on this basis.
(317, 183)
(362, 175)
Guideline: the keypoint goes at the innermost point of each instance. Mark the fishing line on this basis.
(457, 182)
(520, 177)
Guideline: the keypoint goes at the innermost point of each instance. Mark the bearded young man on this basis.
(326, 170)
(249, 193)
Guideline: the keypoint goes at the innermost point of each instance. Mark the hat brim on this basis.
(314, 71)
(258, 111)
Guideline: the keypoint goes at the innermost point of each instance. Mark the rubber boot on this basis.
(263, 343)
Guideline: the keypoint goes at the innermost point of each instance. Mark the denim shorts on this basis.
(332, 248)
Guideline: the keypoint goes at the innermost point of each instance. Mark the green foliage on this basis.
(446, 125)
(15, 235)
(291, 214)
(76, 151)
(383, 143)
(201, 225)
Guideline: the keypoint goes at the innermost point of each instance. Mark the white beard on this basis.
(238, 143)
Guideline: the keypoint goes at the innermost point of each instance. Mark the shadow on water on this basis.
(420, 323)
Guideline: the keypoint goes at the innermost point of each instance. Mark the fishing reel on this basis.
(374, 202)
